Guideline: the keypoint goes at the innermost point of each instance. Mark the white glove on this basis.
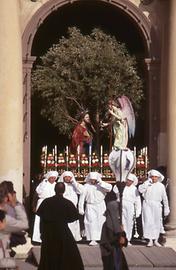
(99, 181)
(166, 212)
(81, 212)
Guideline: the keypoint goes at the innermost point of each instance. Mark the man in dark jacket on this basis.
(58, 249)
(113, 238)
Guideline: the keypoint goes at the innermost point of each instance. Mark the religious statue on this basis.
(82, 135)
(121, 159)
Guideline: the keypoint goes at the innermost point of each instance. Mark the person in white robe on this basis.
(155, 197)
(131, 204)
(72, 190)
(44, 190)
(93, 198)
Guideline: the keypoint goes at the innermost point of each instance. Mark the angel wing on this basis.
(128, 113)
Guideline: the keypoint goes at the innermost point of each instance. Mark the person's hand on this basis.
(2, 225)
(138, 215)
(148, 183)
(98, 181)
(12, 200)
(110, 111)
(103, 125)
(122, 241)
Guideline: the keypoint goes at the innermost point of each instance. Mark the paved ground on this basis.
(90, 255)
(136, 255)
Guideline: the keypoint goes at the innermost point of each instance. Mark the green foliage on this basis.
(84, 71)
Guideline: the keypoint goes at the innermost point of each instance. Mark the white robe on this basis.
(94, 218)
(71, 193)
(131, 207)
(44, 190)
(154, 194)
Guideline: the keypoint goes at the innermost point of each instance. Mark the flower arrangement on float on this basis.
(142, 164)
(95, 162)
(106, 169)
(72, 162)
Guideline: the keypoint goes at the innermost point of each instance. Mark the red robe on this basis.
(79, 138)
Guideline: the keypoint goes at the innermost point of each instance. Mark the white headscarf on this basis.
(156, 173)
(51, 174)
(133, 178)
(66, 173)
(93, 175)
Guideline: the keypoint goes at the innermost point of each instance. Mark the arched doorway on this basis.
(120, 18)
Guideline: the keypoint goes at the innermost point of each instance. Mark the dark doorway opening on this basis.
(86, 16)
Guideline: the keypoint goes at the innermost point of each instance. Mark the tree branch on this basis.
(72, 98)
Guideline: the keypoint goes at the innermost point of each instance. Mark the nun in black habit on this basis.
(113, 238)
(58, 249)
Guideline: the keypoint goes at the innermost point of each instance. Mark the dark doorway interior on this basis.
(86, 16)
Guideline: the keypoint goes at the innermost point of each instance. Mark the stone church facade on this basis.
(20, 24)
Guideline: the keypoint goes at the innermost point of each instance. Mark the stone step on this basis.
(148, 258)
(90, 255)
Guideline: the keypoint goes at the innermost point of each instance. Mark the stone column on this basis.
(171, 113)
(11, 108)
(153, 68)
(27, 67)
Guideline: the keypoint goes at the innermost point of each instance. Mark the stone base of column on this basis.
(170, 236)
(170, 230)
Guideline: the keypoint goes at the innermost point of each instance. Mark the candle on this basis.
(78, 151)
(55, 157)
(46, 158)
(135, 159)
(101, 158)
(67, 157)
(146, 159)
(90, 157)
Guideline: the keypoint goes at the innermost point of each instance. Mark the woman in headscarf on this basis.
(155, 197)
(113, 238)
(44, 190)
(93, 196)
(72, 190)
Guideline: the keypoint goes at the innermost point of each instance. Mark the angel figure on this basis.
(121, 159)
(123, 121)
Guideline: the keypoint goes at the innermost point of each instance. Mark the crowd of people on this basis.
(67, 212)
(13, 224)
(87, 215)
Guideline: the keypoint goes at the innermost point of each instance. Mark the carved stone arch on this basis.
(128, 7)
(150, 41)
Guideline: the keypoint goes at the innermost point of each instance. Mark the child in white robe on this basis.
(154, 194)
(44, 190)
(131, 204)
(72, 190)
(93, 197)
